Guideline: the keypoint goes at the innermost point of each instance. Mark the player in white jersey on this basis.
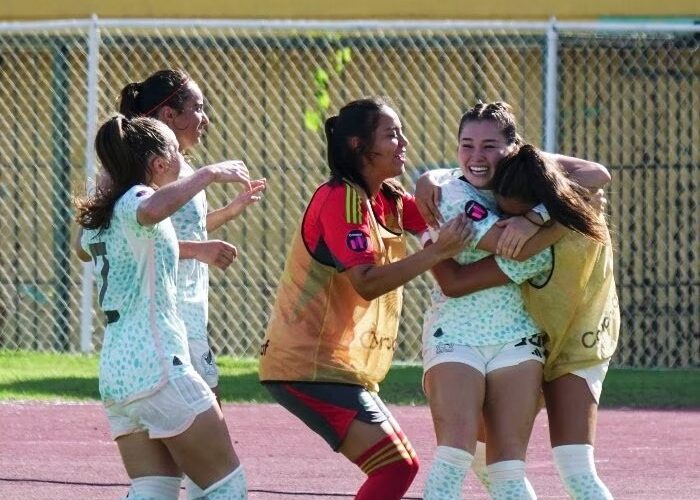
(172, 97)
(162, 415)
(473, 358)
(575, 305)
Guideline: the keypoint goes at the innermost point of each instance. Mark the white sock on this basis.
(508, 481)
(231, 487)
(446, 474)
(479, 465)
(154, 488)
(577, 471)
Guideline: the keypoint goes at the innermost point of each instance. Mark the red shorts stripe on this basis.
(337, 417)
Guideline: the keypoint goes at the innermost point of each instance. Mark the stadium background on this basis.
(626, 98)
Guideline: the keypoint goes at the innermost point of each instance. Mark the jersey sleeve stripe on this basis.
(352, 206)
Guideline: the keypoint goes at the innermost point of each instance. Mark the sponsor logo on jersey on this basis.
(356, 241)
(590, 339)
(370, 340)
(475, 210)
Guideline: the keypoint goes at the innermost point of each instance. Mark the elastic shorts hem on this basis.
(594, 377)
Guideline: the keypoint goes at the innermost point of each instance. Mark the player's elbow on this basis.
(367, 292)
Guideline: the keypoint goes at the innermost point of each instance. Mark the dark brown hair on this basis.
(356, 119)
(125, 148)
(500, 113)
(530, 177)
(164, 87)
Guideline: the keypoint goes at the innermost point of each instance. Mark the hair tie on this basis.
(178, 89)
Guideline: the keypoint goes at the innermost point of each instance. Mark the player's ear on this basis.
(166, 114)
(156, 166)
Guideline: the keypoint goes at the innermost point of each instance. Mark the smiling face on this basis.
(481, 146)
(386, 157)
(191, 121)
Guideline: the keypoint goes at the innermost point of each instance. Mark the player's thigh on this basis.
(571, 409)
(363, 435)
(204, 451)
(143, 456)
(455, 393)
(511, 404)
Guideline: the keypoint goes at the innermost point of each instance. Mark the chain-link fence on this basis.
(624, 95)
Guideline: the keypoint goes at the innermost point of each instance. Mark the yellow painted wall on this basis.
(365, 9)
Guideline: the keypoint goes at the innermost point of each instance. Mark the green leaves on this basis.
(314, 117)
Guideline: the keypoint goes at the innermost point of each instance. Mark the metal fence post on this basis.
(551, 92)
(90, 130)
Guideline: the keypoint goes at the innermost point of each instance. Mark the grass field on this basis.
(40, 376)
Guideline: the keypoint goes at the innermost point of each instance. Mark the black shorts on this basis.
(328, 409)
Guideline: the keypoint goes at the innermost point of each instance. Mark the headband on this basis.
(170, 96)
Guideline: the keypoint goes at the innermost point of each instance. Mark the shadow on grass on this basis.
(243, 388)
(80, 388)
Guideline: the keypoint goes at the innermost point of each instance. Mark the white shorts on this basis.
(166, 413)
(488, 358)
(203, 361)
(594, 377)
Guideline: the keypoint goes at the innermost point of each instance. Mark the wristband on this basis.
(542, 212)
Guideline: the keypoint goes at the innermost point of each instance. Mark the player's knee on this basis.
(154, 488)
(401, 471)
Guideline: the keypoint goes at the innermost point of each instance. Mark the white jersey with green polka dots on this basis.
(136, 274)
(493, 316)
(190, 223)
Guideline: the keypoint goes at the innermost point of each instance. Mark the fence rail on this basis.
(623, 94)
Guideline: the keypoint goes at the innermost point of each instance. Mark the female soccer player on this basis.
(162, 414)
(174, 98)
(333, 330)
(575, 304)
(484, 350)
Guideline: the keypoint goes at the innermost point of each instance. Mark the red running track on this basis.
(54, 451)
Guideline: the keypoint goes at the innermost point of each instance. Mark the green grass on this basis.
(40, 376)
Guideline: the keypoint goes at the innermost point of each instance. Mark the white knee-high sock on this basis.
(231, 487)
(446, 474)
(577, 471)
(154, 488)
(508, 481)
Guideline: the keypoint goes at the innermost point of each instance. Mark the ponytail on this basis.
(129, 102)
(125, 148)
(146, 98)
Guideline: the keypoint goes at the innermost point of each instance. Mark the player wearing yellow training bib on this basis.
(575, 304)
